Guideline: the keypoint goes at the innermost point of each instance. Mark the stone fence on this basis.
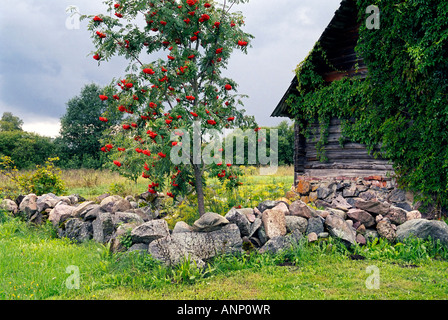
(353, 211)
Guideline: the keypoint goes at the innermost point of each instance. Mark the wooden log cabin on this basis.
(353, 160)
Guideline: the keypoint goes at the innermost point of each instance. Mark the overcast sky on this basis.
(43, 63)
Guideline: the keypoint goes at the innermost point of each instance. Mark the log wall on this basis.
(351, 160)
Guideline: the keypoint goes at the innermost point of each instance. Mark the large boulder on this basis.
(339, 228)
(274, 223)
(181, 227)
(198, 246)
(209, 222)
(362, 216)
(150, 231)
(423, 229)
(60, 213)
(78, 230)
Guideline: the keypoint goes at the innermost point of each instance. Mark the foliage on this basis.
(9, 122)
(44, 179)
(399, 110)
(81, 129)
(162, 99)
(26, 149)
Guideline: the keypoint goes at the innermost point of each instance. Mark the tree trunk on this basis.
(199, 189)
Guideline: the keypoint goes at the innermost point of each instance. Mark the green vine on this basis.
(400, 110)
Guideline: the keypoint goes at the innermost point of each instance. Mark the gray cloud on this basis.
(43, 64)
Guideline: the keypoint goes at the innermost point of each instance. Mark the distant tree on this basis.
(285, 143)
(9, 122)
(82, 128)
(26, 149)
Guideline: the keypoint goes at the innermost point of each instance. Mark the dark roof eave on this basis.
(281, 110)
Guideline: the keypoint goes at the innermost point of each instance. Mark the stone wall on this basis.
(352, 210)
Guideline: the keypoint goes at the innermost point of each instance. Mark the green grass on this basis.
(33, 265)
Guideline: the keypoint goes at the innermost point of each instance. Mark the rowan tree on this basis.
(188, 44)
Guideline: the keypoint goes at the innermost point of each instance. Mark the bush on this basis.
(44, 179)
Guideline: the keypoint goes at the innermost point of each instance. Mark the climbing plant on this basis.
(401, 107)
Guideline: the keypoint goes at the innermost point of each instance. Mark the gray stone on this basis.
(9, 205)
(197, 246)
(210, 222)
(386, 230)
(255, 226)
(81, 210)
(121, 205)
(107, 204)
(150, 231)
(340, 213)
(340, 203)
(91, 213)
(412, 215)
(300, 209)
(143, 247)
(323, 192)
(294, 222)
(78, 230)
(371, 234)
(396, 215)
(47, 201)
(239, 218)
(281, 243)
(315, 225)
(261, 234)
(396, 195)
(146, 213)
(182, 226)
(339, 228)
(274, 223)
(373, 207)
(268, 204)
(103, 227)
(60, 213)
(362, 216)
(421, 228)
(126, 217)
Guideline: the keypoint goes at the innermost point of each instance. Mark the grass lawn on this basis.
(35, 265)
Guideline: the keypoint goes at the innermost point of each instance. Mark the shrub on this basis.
(44, 179)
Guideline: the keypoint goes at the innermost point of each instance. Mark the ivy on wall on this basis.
(402, 105)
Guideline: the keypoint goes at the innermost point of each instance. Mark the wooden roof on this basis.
(338, 41)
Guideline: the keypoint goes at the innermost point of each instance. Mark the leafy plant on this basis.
(399, 110)
(165, 99)
(44, 179)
